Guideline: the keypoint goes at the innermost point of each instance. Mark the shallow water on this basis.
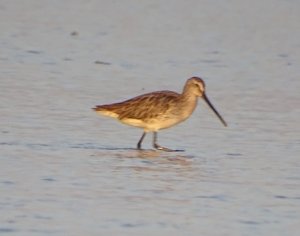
(66, 171)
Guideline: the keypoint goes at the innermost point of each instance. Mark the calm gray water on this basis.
(64, 170)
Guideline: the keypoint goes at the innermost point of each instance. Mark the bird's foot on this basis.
(158, 147)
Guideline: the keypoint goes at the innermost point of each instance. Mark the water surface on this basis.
(66, 171)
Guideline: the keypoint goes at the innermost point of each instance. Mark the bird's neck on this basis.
(189, 98)
(189, 102)
(188, 95)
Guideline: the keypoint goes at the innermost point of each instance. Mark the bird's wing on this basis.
(146, 106)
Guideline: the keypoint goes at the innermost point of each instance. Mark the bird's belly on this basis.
(163, 124)
(154, 124)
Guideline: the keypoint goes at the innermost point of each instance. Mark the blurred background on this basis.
(64, 170)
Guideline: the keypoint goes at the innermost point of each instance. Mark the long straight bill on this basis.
(212, 107)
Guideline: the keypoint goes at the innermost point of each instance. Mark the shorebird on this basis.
(159, 110)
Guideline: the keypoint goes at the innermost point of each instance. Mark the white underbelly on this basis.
(152, 125)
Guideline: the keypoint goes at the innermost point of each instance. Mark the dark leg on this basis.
(157, 146)
(139, 144)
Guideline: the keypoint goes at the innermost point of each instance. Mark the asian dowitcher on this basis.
(159, 110)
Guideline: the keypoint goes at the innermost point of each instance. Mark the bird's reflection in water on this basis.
(146, 160)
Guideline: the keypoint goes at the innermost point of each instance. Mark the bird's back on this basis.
(143, 107)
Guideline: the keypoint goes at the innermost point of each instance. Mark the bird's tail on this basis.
(105, 110)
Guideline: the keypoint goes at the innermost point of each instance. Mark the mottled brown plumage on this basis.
(158, 110)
